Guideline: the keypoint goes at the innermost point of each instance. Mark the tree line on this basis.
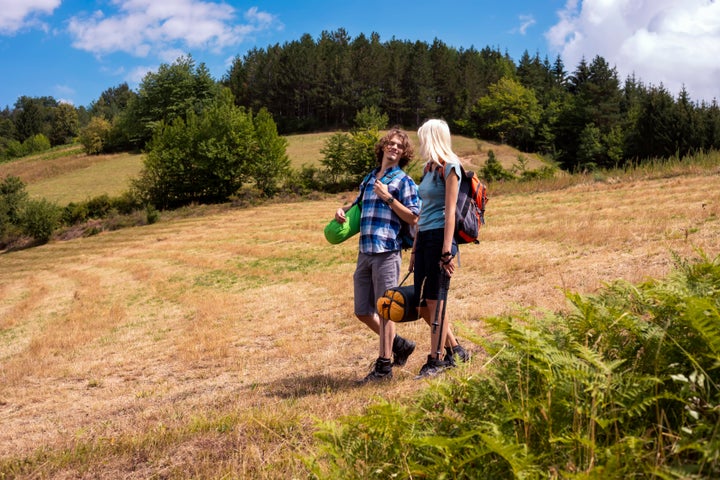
(584, 119)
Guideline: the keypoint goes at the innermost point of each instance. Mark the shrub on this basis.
(335, 156)
(306, 180)
(12, 197)
(544, 172)
(371, 118)
(99, 207)
(94, 137)
(347, 158)
(493, 171)
(36, 143)
(14, 149)
(40, 218)
(205, 158)
(74, 213)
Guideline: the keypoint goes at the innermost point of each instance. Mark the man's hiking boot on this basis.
(433, 367)
(456, 351)
(402, 348)
(381, 371)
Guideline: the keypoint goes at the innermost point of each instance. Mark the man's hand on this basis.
(340, 215)
(381, 190)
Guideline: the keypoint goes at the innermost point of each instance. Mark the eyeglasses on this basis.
(397, 145)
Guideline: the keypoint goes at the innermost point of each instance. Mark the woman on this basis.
(433, 254)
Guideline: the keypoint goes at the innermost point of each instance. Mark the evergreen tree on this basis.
(369, 66)
(688, 129)
(711, 124)
(395, 100)
(419, 86)
(595, 100)
(112, 102)
(444, 63)
(655, 126)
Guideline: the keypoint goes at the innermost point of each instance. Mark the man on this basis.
(388, 195)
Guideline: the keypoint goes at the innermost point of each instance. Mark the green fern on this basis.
(623, 386)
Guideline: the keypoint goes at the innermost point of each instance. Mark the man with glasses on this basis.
(388, 195)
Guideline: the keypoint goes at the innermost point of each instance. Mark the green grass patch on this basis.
(217, 279)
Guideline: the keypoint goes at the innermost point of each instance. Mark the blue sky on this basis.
(74, 50)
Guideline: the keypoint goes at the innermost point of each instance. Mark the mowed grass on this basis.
(210, 347)
(110, 177)
(306, 149)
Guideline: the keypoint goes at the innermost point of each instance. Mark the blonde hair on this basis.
(436, 143)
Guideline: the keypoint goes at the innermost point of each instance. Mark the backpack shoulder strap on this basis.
(363, 184)
(386, 179)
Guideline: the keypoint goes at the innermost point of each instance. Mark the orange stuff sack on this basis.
(398, 304)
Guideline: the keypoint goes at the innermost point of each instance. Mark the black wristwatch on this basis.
(390, 200)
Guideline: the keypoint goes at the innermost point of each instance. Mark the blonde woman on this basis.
(433, 255)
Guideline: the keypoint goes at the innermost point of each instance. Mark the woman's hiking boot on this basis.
(381, 371)
(433, 367)
(402, 348)
(462, 354)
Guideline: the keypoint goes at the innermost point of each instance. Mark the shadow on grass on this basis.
(301, 386)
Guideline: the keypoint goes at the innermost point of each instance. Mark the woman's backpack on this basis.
(470, 210)
(470, 206)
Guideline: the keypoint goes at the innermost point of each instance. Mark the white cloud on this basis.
(144, 27)
(527, 21)
(660, 41)
(16, 15)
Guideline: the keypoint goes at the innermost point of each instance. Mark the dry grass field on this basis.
(209, 346)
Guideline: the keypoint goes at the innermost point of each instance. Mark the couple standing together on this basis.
(389, 197)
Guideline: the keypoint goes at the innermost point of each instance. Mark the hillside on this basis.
(210, 346)
(67, 175)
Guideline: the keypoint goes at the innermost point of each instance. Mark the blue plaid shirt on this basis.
(379, 225)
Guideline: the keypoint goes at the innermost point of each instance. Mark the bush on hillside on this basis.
(100, 207)
(626, 385)
(39, 219)
(12, 197)
(493, 170)
(35, 144)
(208, 157)
(94, 137)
